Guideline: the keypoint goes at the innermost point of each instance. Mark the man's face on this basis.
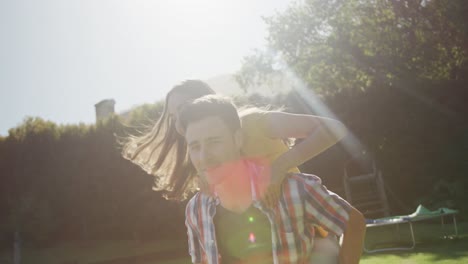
(211, 143)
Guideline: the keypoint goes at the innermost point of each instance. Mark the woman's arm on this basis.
(318, 133)
(353, 238)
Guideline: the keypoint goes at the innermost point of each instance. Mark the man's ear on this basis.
(238, 138)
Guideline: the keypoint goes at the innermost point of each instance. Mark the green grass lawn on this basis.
(430, 248)
(444, 251)
(93, 252)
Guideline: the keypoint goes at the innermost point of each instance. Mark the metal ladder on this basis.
(364, 187)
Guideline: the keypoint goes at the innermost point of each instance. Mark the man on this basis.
(227, 223)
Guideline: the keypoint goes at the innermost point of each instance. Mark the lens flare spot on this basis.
(252, 238)
(251, 219)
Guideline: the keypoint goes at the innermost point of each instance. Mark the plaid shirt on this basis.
(304, 203)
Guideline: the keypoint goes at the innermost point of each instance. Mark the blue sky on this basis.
(58, 58)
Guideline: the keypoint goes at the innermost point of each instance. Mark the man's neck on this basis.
(234, 201)
(235, 193)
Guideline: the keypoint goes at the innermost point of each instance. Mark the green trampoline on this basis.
(420, 214)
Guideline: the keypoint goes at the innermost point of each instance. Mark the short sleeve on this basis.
(324, 207)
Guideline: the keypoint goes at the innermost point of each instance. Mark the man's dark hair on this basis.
(210, 105)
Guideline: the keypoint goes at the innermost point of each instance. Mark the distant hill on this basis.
(226, 84)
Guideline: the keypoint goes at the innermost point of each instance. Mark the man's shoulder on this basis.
(301, 187)
(197, 200)
(194, 206)
(304, 178)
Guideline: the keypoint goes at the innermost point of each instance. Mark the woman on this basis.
(162, 152)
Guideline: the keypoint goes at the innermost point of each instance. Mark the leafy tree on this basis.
(393, 71)
(61, 182)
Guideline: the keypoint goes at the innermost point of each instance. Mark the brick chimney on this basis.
(104, 109)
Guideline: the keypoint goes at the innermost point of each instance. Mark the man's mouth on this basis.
(225, 171)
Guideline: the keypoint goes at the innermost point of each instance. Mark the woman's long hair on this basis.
(162, 152)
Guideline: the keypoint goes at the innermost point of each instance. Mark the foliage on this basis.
(393, 71)
(70, 182)
(335, 45)
(144, 115)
